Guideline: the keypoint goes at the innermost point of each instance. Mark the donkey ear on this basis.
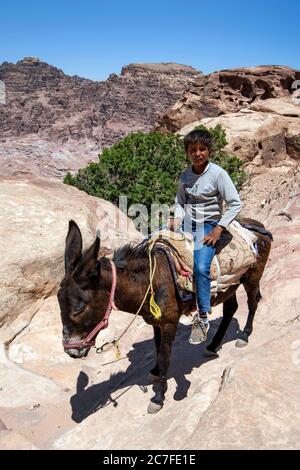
(88, 267)
(90, 256)
(73, 250)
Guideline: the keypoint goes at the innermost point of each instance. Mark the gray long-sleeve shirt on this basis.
(200, 197)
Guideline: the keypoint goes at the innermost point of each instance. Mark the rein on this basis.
(89, 341)
(106, 346)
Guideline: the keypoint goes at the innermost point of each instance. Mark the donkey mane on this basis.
(130, 252)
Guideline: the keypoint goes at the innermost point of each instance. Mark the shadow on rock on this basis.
(185, 358)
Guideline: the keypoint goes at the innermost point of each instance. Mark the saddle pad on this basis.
(235, 252)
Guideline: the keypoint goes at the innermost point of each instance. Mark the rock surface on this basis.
(66, 121)
(264, 135)
(246, 398)
(259, 410)
(227, 91)
(12, 441)
(34, 219)
(32, 155)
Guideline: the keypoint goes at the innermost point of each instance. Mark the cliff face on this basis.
(52, 123)
(227, 91)
(42, 100)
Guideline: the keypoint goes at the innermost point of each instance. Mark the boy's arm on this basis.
(230, 195)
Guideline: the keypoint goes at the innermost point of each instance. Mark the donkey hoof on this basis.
(154, 408)
(241, 343)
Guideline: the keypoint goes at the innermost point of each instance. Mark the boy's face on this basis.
(198, 154)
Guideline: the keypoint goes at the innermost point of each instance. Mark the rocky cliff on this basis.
(63, 122)
(52, 122)
(228, 91)
(42, 100)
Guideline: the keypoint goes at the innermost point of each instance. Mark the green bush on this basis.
(146, 168)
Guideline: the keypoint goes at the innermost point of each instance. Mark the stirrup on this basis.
(199, 331)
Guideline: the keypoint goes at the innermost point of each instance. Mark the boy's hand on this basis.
(212, 237)
(174, 224)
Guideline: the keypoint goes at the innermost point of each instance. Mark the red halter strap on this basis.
(89, 341)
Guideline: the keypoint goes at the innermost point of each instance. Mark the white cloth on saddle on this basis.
(234, 259)
(228, 265)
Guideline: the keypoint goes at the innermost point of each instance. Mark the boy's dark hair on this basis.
(198, 136)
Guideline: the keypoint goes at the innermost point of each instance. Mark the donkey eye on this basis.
(79, 307)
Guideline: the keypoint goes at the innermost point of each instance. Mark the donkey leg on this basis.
(154, 373)
(168, 332)
(254, 296)
(229, 308)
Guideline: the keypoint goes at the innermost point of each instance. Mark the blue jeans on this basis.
(203, 255)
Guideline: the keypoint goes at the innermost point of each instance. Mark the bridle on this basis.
(90, 339)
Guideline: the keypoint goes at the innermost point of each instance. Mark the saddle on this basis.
(235, 252)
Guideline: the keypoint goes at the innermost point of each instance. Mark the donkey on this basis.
(92, 287)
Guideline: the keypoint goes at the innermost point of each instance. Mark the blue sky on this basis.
(95, 38)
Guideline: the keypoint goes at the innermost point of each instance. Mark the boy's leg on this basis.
(203, 256)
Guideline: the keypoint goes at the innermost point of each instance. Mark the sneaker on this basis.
(186, 320)
(199, 331)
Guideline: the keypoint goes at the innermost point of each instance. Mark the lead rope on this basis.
(154, 308)
(115, 342)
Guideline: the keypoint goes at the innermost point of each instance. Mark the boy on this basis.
(203, 187)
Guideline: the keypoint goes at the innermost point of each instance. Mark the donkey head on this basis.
(81, 299)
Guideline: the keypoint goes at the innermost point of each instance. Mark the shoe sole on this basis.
(199, 341)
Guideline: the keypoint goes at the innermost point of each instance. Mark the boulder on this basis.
(261, 139)
(34, 220)
(21, 388)
(282, 106)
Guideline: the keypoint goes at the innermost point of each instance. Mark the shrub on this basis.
(144, 167)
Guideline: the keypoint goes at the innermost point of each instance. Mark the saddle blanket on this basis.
(235, 252)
